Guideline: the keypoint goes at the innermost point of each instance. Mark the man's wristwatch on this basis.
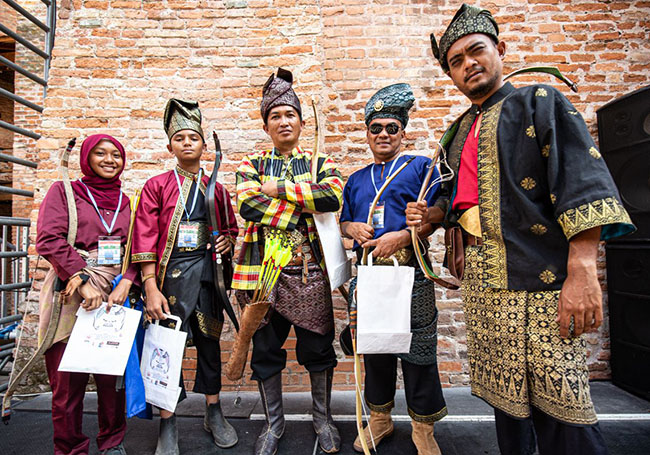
(84, 277)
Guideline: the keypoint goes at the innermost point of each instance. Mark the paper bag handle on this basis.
(175, 318)
(392, 256)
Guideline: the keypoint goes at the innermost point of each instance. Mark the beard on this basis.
(479, 91)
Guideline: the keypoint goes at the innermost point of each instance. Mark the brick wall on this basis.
(117, 62)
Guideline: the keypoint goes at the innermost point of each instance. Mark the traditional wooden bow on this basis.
(55, 315)
(217, 270)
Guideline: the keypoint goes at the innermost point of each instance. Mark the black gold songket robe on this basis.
(541, 181)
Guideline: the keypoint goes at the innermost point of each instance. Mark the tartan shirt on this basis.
(296, 192)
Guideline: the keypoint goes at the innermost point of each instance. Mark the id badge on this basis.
(378, 216)
(188, 235)
(108, 250)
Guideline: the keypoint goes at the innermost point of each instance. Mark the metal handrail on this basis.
(32, 47)
(27, 14)
(23, 71)
(21, 100)
(19, 130)
(14, 221)
(13, 159)
(14, 286)
(16, 191)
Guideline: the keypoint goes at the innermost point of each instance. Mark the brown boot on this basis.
(381, 425)
(423, 438)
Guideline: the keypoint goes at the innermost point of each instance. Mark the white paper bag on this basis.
(339, 267)
(100, 342)
(384, 308)
(161, 363)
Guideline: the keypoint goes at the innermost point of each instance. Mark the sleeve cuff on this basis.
(144, 257)
(607, 212)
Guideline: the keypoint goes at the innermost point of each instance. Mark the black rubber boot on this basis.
(168, 437)
(222, 431)
(321, 394)
(269, 438)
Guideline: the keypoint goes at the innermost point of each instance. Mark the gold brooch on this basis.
(379, 105)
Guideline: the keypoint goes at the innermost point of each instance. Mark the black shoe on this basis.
(168, 437)
(329, 438)
(269, 438)
(222, 431)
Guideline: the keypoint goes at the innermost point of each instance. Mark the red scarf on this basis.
(105, 191)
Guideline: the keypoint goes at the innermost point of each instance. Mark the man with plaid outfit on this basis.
(275, 191)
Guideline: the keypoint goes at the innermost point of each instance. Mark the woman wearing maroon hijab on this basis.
(103, 214)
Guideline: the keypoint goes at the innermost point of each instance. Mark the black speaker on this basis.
(628, 284)
(624, 136)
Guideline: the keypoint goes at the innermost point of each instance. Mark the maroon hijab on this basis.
(105, 191)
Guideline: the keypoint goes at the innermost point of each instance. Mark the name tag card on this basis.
(188, 235)
(378, 216)
(108, 250)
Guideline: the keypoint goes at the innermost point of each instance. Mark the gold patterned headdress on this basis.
(182, 115)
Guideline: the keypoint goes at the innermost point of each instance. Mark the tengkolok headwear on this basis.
(468, 20)
(393, 101)
(278, 92)
(182, 115)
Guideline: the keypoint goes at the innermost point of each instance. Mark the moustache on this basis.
(473, 70)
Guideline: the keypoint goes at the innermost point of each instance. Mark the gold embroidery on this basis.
(546, 150)
(538, 229)
(593, 151)
(489, 191)
(541, 92)
(173, 229)
(209, 326)
(592, 214)
(573, 112)
(516, 356)
(379, 105)
(530, 131)
(185, 173)
(428, 418)
(383, 408)
(143, 257)
(528, 183)
(176, 273)
(172, 300)
(553, 198)
(547, 276)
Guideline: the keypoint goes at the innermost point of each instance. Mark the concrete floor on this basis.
(468, 430)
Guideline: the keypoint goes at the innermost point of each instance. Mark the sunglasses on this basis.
(391, 128)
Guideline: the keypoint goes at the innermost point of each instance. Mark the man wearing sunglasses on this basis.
(534, 197)
(386, 116)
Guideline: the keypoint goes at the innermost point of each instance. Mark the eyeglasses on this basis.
(391, 128)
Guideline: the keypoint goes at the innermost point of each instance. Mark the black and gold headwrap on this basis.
(468, 20)
(182, 115)
(278, 92)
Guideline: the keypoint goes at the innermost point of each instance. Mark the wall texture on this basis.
(117, 62)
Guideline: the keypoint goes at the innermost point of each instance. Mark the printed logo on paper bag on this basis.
(111, 322)
(159, 367)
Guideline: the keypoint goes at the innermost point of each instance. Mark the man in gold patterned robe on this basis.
(534, 198)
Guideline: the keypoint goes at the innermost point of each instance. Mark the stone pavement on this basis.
(468, 430)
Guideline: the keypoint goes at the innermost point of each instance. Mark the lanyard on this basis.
(390, 171)
(273, 166)
(196, 193)
(108, 228)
